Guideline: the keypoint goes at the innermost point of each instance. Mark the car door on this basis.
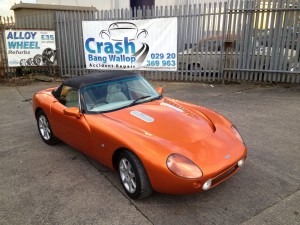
(71, 130)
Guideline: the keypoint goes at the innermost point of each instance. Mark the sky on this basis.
(6, 4)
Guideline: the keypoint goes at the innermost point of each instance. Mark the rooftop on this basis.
(51, 7)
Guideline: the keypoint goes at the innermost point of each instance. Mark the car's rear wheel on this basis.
(45, 129)
(133, 176)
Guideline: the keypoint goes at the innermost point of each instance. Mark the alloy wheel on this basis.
(44, 127)
(127, 175)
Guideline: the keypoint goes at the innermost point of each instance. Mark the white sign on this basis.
(30, 48)
(131, 45)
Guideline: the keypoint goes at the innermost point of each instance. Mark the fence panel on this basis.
(239, 40)
(5, 23)
(235, 40)
(69, 41)
(266, 43)
(196, 26)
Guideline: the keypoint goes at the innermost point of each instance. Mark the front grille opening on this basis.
(224, 175)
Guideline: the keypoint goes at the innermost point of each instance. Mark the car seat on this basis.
(72, 99)
(115, 94)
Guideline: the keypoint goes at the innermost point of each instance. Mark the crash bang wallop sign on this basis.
(30, 48)
(131, 45)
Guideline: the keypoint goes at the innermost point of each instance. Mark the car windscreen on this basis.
(116, 94)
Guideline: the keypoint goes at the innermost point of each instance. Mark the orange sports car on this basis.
(154, 142)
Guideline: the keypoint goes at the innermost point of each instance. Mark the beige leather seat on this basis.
(115, 94)
(72, 99)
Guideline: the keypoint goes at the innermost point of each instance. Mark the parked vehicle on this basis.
(288, 35)
(154, 142)
(214, 53)
(204, 56)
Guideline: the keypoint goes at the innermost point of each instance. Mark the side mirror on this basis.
(72, 111)
(160, 90)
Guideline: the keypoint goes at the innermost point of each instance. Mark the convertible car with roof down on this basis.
(155, 143)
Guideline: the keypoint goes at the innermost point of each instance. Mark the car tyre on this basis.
(45, 129)
(133, 176)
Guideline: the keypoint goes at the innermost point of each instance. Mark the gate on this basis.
(5, 23)
(237, 40)
(267, 42)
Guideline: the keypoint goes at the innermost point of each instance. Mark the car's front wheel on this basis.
(133, 176)
(45, 129)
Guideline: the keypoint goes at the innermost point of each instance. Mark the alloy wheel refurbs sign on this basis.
(30, 48)
(131, 45)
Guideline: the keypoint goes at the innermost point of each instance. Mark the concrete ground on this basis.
(43, 184)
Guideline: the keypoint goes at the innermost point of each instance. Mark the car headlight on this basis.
(183, 167)
(237, 134)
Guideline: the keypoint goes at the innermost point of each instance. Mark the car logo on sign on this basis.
(227, 156)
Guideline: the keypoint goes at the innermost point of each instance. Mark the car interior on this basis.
(115, 94)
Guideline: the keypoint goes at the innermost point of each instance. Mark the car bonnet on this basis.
(167, 120)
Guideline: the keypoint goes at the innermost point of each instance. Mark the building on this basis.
(119, 4)
(45, 14)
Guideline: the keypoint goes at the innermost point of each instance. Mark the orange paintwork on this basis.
(195, 132)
